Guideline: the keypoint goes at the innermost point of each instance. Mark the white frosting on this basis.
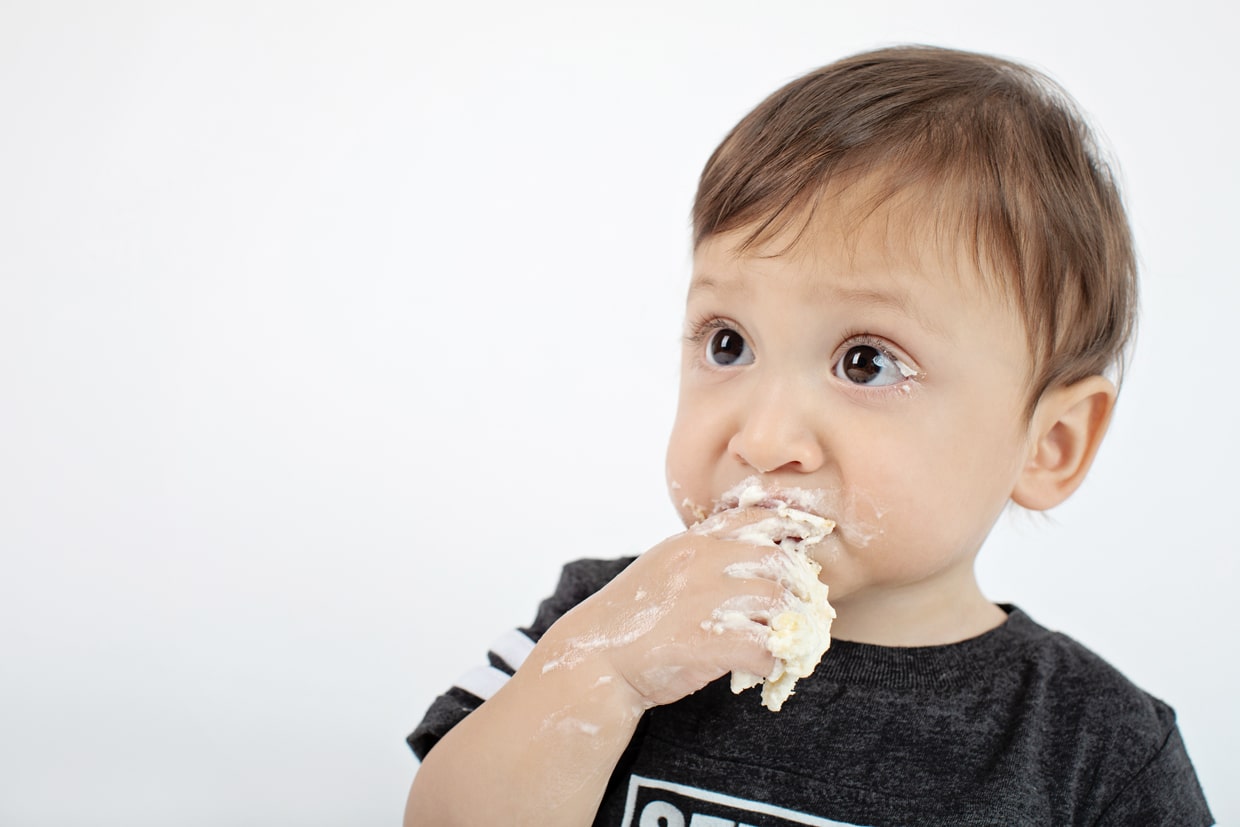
(799, 631)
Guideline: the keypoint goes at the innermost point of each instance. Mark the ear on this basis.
(1067, 429)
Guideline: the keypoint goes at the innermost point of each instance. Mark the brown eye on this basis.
(726, 347)
(867, 365)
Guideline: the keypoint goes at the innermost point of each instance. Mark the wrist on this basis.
(582, 682)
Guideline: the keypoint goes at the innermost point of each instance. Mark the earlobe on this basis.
(1067, 429)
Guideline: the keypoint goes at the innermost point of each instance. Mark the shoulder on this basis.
(1097, 723)
(1082, 686)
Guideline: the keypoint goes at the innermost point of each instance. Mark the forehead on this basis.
(837, 273)
(725, 276)
(865, 240)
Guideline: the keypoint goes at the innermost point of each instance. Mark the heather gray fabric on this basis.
(1020, 726)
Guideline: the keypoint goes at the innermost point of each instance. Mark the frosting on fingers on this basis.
(799, 629)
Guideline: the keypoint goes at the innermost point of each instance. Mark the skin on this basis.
(544, 746)
(914, 458)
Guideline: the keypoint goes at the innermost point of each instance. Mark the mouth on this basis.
(753, 492)
(797, 521)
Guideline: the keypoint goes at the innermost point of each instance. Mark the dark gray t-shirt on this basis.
(1020, 726)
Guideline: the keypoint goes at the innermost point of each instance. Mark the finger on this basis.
(743, 645)
(742, 613)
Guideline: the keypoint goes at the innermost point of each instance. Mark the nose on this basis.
(776, 433)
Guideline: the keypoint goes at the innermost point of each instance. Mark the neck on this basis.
(915, 616)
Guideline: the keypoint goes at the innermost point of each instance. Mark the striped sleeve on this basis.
(506, 656)
(578, 581)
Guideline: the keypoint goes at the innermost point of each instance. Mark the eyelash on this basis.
(704, 325)
(853, 338)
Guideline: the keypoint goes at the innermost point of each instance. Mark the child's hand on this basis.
(686, 612)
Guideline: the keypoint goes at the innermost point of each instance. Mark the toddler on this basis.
(913, 287)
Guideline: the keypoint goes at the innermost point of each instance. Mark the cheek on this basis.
(939, 501)
(905, 494)
(685, 471)
(861, 513)
(698, 461)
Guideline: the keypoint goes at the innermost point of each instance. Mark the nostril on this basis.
(766, 444)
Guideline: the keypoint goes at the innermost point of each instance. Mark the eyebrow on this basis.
(698, 283)
(854, 295)
(895, 301)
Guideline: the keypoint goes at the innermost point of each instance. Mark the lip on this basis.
(753, 491)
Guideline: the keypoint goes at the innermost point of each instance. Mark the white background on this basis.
(329, 331)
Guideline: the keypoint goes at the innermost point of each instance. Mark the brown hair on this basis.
(1002, 150)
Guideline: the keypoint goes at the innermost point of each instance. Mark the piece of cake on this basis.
(800, 629)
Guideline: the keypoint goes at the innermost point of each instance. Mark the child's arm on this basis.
(542, 749)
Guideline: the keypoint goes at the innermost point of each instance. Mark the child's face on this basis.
(877, 371)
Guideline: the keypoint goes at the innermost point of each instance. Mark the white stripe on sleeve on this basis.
(513, 647)
(483, 681)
